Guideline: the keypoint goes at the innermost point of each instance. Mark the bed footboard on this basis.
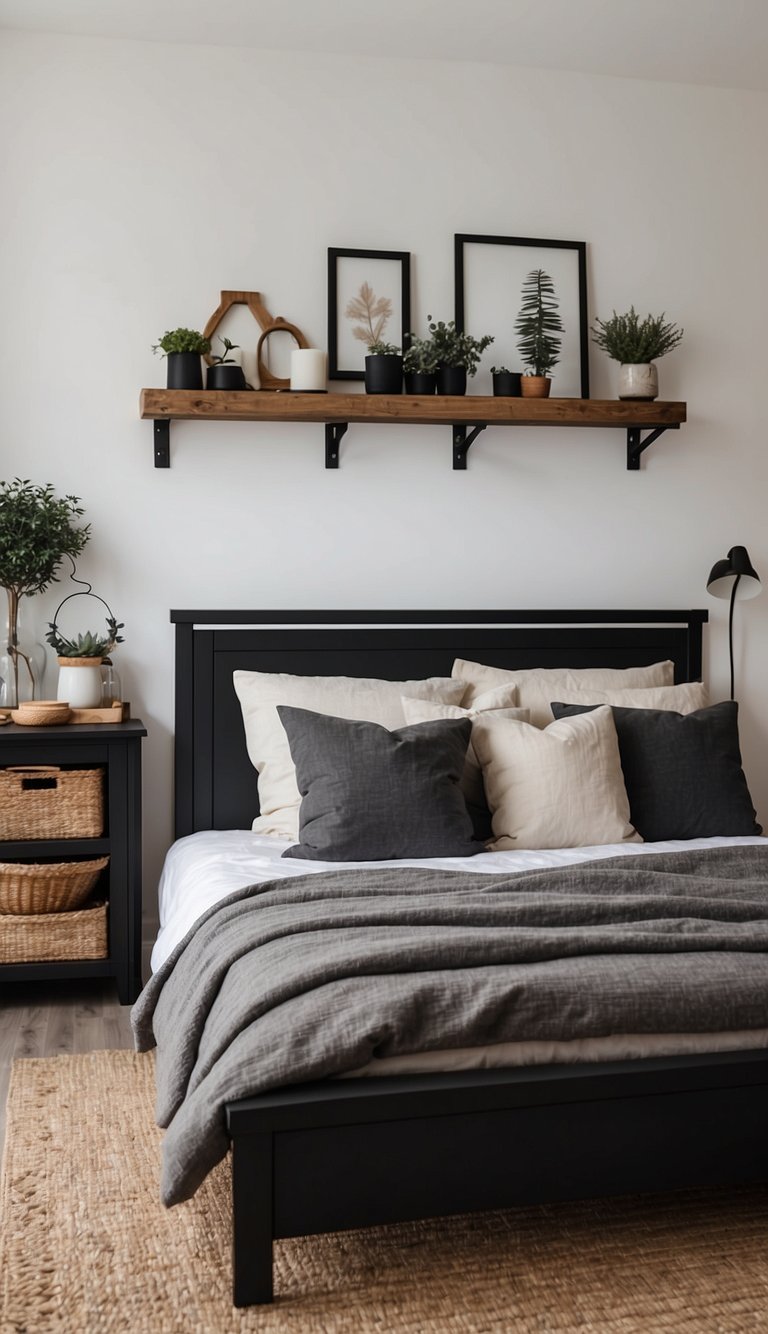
(325, 1157)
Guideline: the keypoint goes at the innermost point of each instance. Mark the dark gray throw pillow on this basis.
(682, 771)
(369, 794)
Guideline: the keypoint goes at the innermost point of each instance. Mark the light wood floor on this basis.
(46, 1020)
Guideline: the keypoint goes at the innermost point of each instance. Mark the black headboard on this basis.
(216, 786)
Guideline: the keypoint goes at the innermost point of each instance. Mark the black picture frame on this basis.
(577, 376)
(342, 348)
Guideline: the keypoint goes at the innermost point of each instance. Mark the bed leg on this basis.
(252, 1219)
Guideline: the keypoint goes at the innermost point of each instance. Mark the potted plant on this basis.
(80, 659)
(457, 355)
(506, 384)
(636, 344)
(420, 366)
(37, 530)
(383, 369)
(225, 372)
(183, 348)
(537, 326)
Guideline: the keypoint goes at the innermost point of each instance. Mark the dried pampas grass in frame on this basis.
(369, 300)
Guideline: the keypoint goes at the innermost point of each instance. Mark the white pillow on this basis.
(368, 700)
(538, 685)
(493, 701)
(685, 698)
(560, 787)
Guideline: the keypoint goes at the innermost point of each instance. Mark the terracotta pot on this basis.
(535, 386)
(638, 380)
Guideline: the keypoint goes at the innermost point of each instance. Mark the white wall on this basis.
(140, 179)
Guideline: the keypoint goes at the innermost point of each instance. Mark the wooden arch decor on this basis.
(269, 325)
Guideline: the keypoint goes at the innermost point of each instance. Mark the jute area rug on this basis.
(87, 1248)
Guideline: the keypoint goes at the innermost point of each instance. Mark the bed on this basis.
(343, 1153)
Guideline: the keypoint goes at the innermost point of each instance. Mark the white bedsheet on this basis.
(204, 868)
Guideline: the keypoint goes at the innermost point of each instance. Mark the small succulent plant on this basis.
(88, 645)
(379, 349)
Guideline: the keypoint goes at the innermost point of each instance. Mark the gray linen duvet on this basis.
(311, 977)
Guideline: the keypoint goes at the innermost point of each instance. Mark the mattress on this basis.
(204, 868)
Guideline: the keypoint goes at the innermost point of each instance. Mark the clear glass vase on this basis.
(22, 662)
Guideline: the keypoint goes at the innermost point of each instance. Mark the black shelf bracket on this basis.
(162, 434)
(636, 444)
(334, 433)
(462, 442)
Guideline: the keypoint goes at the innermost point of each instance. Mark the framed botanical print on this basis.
(369, 301)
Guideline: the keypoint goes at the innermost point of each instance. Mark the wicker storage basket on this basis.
(47, 887)
(45, 937)
(44, 801)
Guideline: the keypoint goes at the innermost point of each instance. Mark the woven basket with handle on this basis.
(47, 887)
(45, 801)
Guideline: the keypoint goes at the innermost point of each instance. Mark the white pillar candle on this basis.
(308, 370)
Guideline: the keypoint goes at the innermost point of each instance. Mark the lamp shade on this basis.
(736, 575)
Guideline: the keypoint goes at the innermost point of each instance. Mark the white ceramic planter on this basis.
(80, 682)
(638, 381)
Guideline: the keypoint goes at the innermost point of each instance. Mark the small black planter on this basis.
(420, 382)
(506, 384)
(225, 377)
(451, 379)
(185, 370)
(383, 375)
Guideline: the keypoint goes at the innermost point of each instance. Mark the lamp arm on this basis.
(730, 627)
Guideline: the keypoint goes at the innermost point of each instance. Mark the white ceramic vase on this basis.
(638, 380)
(80, 682)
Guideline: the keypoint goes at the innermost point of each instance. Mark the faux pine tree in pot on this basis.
(538, 326)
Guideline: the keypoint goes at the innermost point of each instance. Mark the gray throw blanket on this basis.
(311, 977)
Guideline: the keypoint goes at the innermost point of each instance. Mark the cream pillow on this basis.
(493, 701)
(538, 685)
(685, 698)
(560, 787)
(368, 700)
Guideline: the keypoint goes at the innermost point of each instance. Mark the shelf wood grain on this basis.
(406, 409)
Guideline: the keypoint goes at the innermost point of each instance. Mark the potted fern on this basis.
(636, 344)
(457, 355)
(538, 326)
(183, 348)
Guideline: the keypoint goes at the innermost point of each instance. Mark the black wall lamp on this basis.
(734, 578)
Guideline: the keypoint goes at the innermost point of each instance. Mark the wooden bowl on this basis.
(41, 713)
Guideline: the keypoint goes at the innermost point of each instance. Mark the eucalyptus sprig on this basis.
(635, 342)
(37, 529)
(420, 356)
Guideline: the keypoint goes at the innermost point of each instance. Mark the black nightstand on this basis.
(117, 748)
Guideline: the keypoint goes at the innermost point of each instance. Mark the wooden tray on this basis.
(117, 713)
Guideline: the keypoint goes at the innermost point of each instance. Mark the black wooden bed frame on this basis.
(320, 1157)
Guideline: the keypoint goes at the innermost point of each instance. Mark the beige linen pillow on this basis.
(560, 787)
(365, 699)
(538, 685)
(493, 701)
(685, 698)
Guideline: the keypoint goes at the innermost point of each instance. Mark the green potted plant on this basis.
(183, 348)
(538, 325)
(80, 657)
(636, 344)
(383, 369)
(37, 530)
(457, 355)
(225, 372)
(420, 366)
(506, 384)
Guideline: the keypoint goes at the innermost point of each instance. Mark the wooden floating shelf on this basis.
(466, 415)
